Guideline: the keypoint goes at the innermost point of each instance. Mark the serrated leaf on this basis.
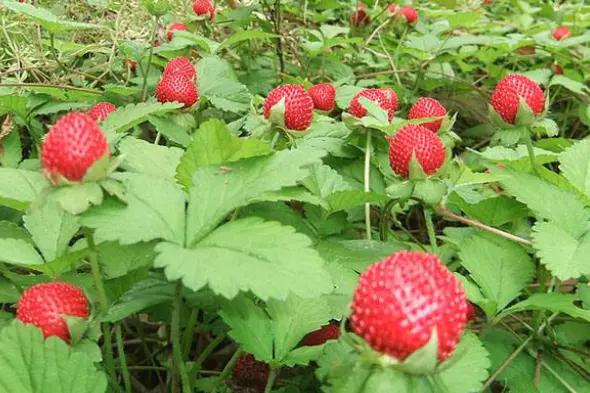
(218, 84)
(214, 143)
(245, 36)
(77, 198)
(575, 165)
(149, 159)
(267, 258)
(19, 252)
(324, 181)
(357, 254)
(554, 302)
(218, 191)
(519, 153)
(147, 293)
(19, 187)
(117, 260)
(500, 267)
(155, 210)
(344, 200)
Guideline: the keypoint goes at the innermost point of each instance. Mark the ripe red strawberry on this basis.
(360, 18)
(250, 373)
(505, 98)
(561, 33)
(415, 140)
(330, 331)
(386, 98)
(181, 65)
(71, 146)
(175, 27)
(298, 106)
(323, 96)
(400, 300)
(204, 8)
(44, 305)
(410, 14)
(177, 87)
(426, 107)
(101, 111)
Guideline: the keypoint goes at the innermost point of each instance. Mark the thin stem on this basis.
(230, 365)
(187, 338)
(430, 230)
(123, 358)
(271, 380)
(374, 33)
(65, 87)
(207, 351)
(277, 18)
(149, 64)
(367, 177)
(531, 151)
(176, 345)
(54, 52)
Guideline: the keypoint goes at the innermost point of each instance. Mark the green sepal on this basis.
(401, 191)
(431, 191)
(415, 169)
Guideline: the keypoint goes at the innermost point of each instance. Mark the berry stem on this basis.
(187, 337)
(430, 229)
(271, 380)
(123, 358)
(367, 178)
(206, 352)
(531, 151)
(176, 344)
(149, 63)
(229, 367)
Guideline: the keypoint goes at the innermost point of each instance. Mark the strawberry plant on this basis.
(294, 196)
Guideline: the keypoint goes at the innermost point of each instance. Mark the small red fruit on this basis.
(561, 33)
(323, 96)
(328, 332)
(506, 97)
(557, 69)
(44, 305)
(175, 87)
(204, 8)
(298, 106)
(101, 111)
(250, 373)
(426, 107)
(400, 301)
(71, 146)
(410, 14)
(471, 315)
(360, 18)
(132, 64)
(175, 27)
(180, 65)
(392, 9)
(386, 98)
(416, 141)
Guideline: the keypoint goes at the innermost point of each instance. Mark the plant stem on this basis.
(73, 88)
(176, 345)
(277, 21)
(123, 358)
(230, 365)
(531, 151)
(367, 178)
(54, 52)
(207, 351)
(187, 337)
(149, 64)
(271, 380)
(430, 229)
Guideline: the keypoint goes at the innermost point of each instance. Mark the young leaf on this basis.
(218, 84)
(19, 252)
(19, 187)
(575, 165)
(149, 159)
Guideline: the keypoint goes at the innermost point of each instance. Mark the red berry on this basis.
(557, 69)
(175, 87)
(561, 33)
(181, 65)
(416, 141)
(101, 111)
(488, 1)
(426, 107)
(401, 300)
(204, 8)
(44, 305)
(323, 96)
(386, 98)
(360, 18)
(298, 106)
(175, 27)
(71, 146)
(471, 315)
(410, 14)
(250, 373)
(392, 9)
(506, 97)
(330, 331)
(132, 64)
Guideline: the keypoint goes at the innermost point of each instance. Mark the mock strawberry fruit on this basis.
(360, 18)
(403, 299)
(471, 314)
(101, 111)
(328, 332)
(386, 98)
(419, 142)
(175, 27)
(392, 9)
(204, 8)
(298, 106)
(71, 146)
(180, 65)
(177, 88)
(323, 96)
(561, 33)
(44, 305)
(250, 373)
(410, 14)
(506, 97)
(426, 107)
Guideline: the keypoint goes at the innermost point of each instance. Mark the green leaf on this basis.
(49, 21)
(554, 302)
(174, 128)
(344, 200)
(245, 36)
(155, 210)
(575, 165)
(52, 229)
(267, 258)
(19, 187)
(144, 294)
(357, 254)
(31, 364)
(324, 181)
(500, 267)
(117, 260)
(570, 84)
(519, 153)
(149, 159)
(11, 153)
(218, 191)
(19, 252)
(218, 84)
(77, 198)
(214, 143)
